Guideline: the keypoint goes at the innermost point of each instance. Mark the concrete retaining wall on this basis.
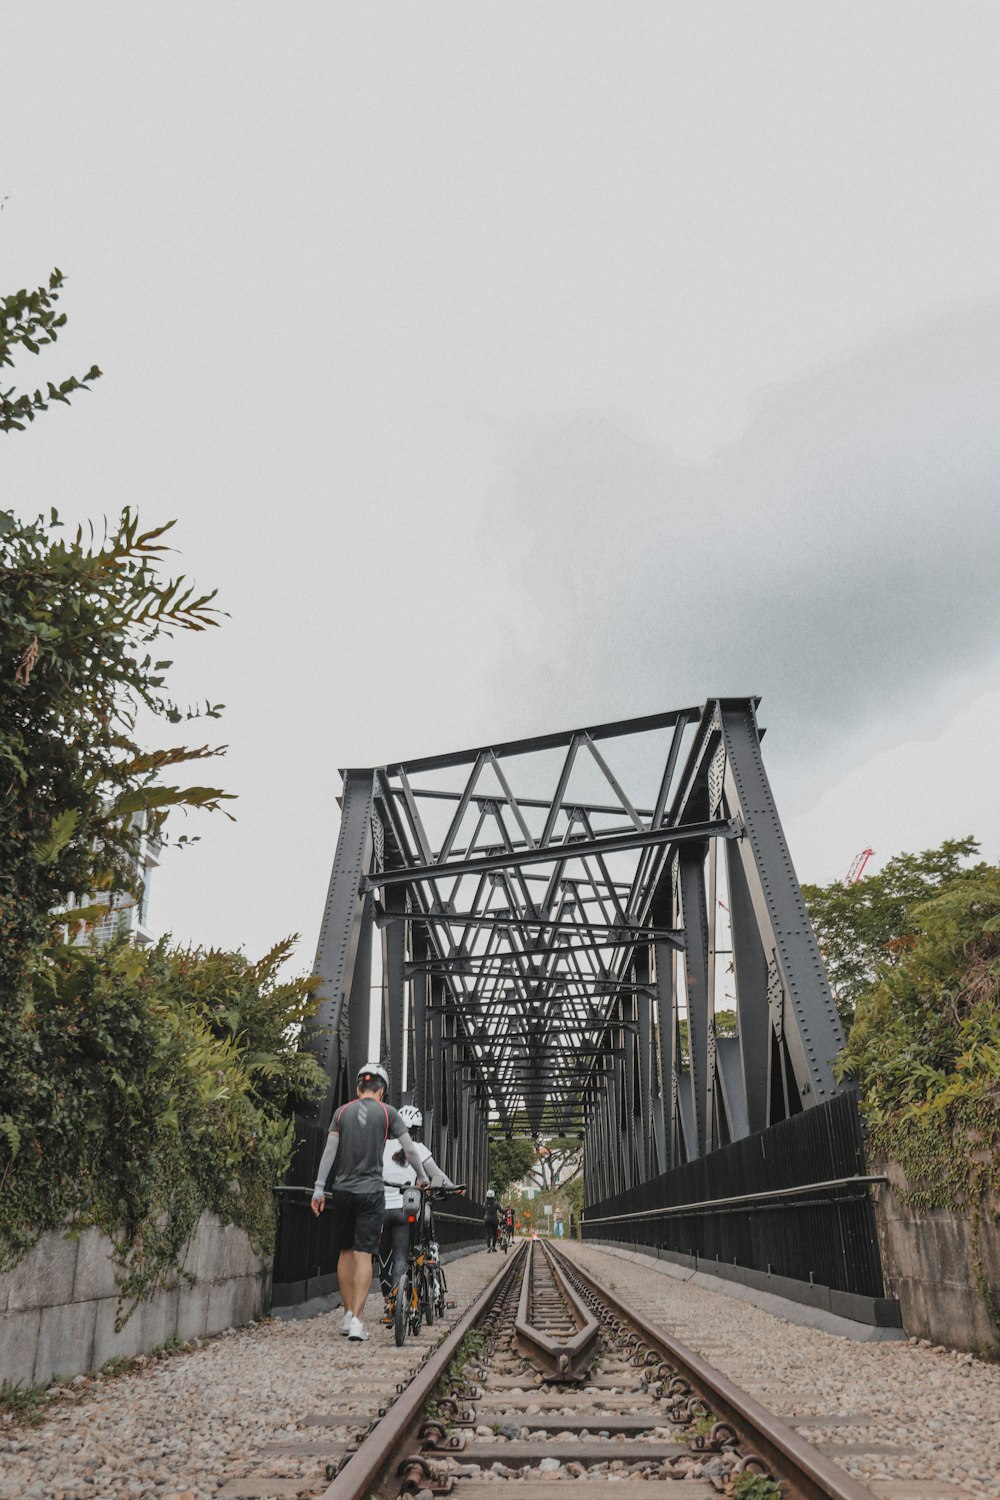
(58, 1305)
(928, 1260)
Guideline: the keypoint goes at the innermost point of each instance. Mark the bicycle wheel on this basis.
(440, 1289)
(427, 1294)
(402, 1313)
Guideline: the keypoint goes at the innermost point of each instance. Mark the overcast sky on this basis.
(519, 366)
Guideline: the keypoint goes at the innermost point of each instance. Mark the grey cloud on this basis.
(840, 559)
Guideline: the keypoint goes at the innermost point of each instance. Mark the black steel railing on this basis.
(305, 1262)
(792, 1201)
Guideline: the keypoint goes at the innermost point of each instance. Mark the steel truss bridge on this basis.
(597, 933)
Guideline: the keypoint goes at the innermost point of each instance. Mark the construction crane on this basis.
(857, 869)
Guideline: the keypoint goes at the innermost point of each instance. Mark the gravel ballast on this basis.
(942, 1409)
(189, 1426)
(185, 1426)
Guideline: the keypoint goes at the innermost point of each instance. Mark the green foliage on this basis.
(78, 621)
(137, 1089)
(22, 1404)
(925, 1049)
(147, 1086)
(926, 1038)
(572, 1195)
(867, 927)
(509, 1162)
(30, 320)
(750, 1486)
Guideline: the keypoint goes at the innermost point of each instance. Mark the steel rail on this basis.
(810, 1472)
(391, 1434)
(558, 1356)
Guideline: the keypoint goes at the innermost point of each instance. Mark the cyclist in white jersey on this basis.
(397, 1174)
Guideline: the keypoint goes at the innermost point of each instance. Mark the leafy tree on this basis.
(137, 1088)
(925, 1048)
(545, 1160)
(509, 1162)
(866, 927)
(926, 1035)
(79, 621)
(29, 320)
(558, 1161)
(141, 1087)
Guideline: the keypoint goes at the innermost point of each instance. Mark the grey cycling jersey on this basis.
(358, 1133)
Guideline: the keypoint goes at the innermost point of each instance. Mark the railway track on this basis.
(549, 1378)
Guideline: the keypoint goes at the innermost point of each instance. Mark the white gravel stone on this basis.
(188, 1423)
(943, 1409)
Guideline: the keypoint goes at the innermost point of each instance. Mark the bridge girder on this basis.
(553, 950)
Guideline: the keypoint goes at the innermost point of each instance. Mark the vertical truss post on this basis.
(814, 1036)
(449, 1111)
(359, 1008)
(340, 932)
(462, 1099)
(753, 1020)
(633, 1091)
(611, 1134)
(433, 1085)
(418, 1031)
(619, 1133)
(483, 1180)
(394, 951)
(592, 1183)
(646, 1133)
(468, 1143)
(600, 1183)
(692, 889)
(666, 1029)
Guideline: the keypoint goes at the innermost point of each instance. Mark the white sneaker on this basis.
(357, 1331)
(346, 1321)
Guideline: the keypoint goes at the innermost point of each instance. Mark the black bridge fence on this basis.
(792, 1202)
(305, 1261)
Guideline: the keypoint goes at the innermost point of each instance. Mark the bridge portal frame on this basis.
(541, 952)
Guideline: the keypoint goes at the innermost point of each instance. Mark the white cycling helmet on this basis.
(490, 1193)
(411, 1117)
(373, 1072)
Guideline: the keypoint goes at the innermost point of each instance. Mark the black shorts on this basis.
(357, 1219)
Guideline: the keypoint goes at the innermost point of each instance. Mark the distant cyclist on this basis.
(357, 1139)
(508, 1214)
(491, 1220)
(397, 1174)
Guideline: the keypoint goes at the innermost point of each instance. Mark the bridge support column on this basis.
(666, 1031)
(394, 990)
(691, 881)
(812, 1035)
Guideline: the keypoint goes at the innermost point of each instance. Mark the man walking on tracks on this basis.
(356, 1142)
